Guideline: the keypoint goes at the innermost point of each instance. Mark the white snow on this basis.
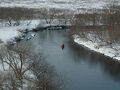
(60, 4)
(5, 68)
(9, 32)
(33, 24)
(105, 50)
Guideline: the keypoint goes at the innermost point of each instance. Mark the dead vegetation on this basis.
(103, 24)
(27, 71)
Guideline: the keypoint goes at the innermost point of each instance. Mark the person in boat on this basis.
(62, 46)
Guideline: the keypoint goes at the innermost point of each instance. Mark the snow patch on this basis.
(7, 33)
(113, 53)
(60, 4)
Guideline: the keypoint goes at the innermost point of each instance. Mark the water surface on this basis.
(81, 68)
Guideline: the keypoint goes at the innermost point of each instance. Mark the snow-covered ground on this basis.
(113, 52)
(9, 32)
(60, 4)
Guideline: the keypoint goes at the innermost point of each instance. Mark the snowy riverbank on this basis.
(113, 52)
(8, 33)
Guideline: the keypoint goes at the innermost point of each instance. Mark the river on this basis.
(80, 68)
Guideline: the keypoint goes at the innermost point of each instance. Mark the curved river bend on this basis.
(81, 68)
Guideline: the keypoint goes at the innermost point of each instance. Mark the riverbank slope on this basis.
(112, 52)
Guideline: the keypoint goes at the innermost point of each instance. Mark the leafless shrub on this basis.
(8, 81)
(47, 14)
(17, 59)
(45, 76)
(21, 62)
(107, 21)
(13, 16)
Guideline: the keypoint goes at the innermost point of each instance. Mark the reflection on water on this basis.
(109, 66)
(85, 70)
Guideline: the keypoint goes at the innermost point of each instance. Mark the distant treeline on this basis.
(16, 13)
(106, 17)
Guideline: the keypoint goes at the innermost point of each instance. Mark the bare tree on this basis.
(47, 14)
(21, 62)
(45, 76)
(13, 16)
(17, 59)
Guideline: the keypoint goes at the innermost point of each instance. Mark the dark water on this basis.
(81, 68)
